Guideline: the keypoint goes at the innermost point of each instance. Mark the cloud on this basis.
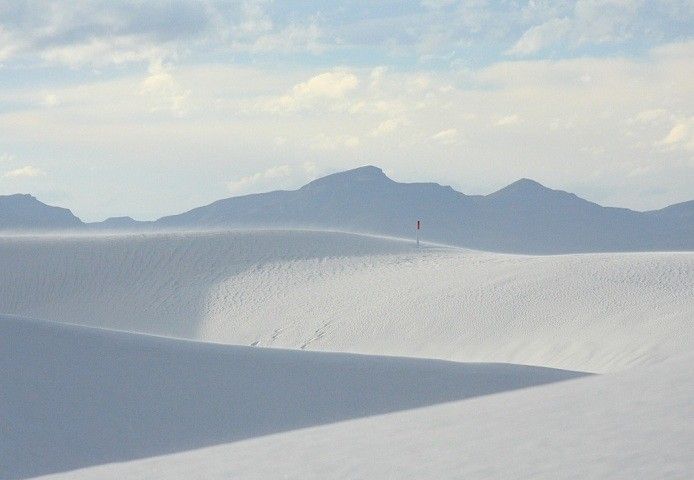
(681, 135)
(50, 100)
(590, 22)
(103, 33)
(320, 89)
(25, 172)
(334, 142)
(387, 126)
(97, 34)
(601, 21)
(280, 176)
(329, 85)
(255, 18)
(101, 52)
(446, 137)
(290, 39)
(9, 45)
(540, 37)
(676, 135)
(650, 116)
(376, 76)
(163, 92)
(259, 32)
(259, 179)
(507, 120)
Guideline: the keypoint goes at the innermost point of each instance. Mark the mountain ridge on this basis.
(523, 217)
(22, 211)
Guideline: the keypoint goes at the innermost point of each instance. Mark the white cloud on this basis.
(673, 50)
(258, 33)
(325, 87)
(98, 34)
(681, 135)
(600, 21)
(104, 51)
(9, 45)
(277, 177)
(590, 22)
(377, 76)
(541, 36)
(163, 92)
(258, 180)
(650, 116)
(334, 142)
(25, 172)
(507, 120)
(387, 126)
(330, 84)
(255, 19)
(50, 100)
(290, 39)
(447, 137)
(676, 135)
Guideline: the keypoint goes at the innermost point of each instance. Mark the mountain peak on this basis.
(369, 170)
(19, 197)
(119, 220)
(527, 184)
(362, 175)
(22, 211)
(523, 187)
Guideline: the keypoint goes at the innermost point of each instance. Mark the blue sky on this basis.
(151, 108)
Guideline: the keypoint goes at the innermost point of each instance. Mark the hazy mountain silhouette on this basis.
(25, 213)
(524, 217)
(117, 223)
(678, 211)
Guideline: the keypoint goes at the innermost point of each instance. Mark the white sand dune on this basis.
(628, 425)
(71, 396)
(74, 396)
(150, 283)
(341, 292)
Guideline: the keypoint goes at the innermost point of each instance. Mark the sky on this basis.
(145, 109)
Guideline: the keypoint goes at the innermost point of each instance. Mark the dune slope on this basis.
(74, 396)
(626, 425)
(342, 292)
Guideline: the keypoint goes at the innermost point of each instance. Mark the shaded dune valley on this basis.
(88, 396)
(241, 354)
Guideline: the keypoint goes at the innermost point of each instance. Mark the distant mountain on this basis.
(25, 213)
(524, 217)
(117, 223)
(680, 211)
(363, 200)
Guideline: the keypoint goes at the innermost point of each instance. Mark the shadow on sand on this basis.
(77, 396)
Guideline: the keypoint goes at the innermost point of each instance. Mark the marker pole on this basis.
(418, 227)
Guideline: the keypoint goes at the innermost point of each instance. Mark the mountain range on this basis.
(524, 217)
